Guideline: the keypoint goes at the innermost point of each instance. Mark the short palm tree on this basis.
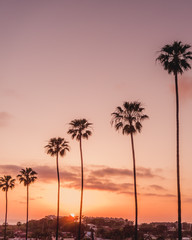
(57, 146)
(174, 59)
(128, 119)
(27, 176)
(79, 129)
(6, 183)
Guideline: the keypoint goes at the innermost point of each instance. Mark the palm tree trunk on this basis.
(135, 185)
(5, 233)
(81, 204)
(178, 170)
(58, 196)
(27, 210)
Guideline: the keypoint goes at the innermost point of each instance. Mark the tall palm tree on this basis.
(27, 176)
(6, 183)
(79, 129)
(128, 119)
(174, 59)
(57, 146)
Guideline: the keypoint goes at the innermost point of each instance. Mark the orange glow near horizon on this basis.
(96, 203)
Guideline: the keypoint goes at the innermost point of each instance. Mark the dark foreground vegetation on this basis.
(43, 228)
(95, 228)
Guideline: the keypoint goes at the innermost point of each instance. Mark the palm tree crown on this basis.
(129, 118)
(7, 182)
(80, 129)
(57, 145)
(27, 176)
(174, 58)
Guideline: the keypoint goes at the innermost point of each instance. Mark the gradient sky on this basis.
(61, 60)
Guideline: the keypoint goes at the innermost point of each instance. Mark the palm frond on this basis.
(27, 176)
(174, 57)
(57, 146)
(7, 182)
(128, 118)
(80, 128)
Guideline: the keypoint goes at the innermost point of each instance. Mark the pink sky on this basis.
(61, 60)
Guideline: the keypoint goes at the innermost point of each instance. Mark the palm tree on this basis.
(128, 119)
(27, 176)
(6, 183)
(79, 129)
(174, 59)
(57, 146)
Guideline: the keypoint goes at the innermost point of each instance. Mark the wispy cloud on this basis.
(24, 201)
(107, 171)
(95, 183)
(45, 173)
(149, 194)
(48, 174)
(4, 118)
(9, 169)
(157, 187)
(146, 173)
(35, 198)
(187, 199)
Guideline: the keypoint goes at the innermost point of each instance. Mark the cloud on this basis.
(121, 172)
(45, 173)
(101, 178)
(103, 186)
(4, 118)
(35, 198)
(150, 194)
(93, 183)
(9, 169)
(22, 202)
(187, 199)
(145, 173)
(157, 187)
(107, 171)
(70, 178)
(159, 195)
(127, 192)
(48, 174)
